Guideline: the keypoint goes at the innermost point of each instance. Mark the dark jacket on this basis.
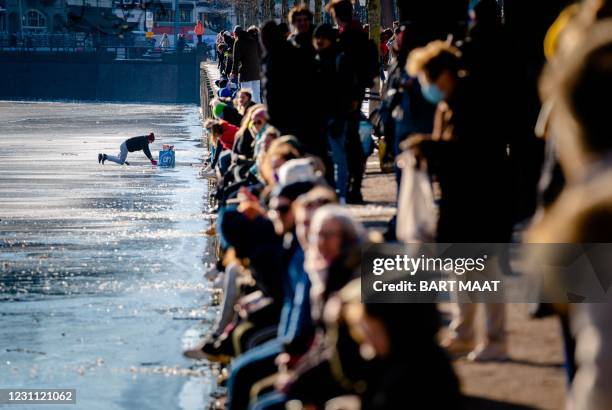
(246, 61)
(303, 41)
(231, 115)
(357, 63)
(468, 159)
(277, 82)
(243, 143)
(415, 366)
(327, 81)
(265, 254)
(139, 144)
(228, 50)
(290, 91)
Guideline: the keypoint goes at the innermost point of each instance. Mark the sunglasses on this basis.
(258, 122)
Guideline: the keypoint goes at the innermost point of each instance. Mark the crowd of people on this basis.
(287, 152)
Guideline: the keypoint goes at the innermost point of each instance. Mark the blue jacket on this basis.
(296, 320)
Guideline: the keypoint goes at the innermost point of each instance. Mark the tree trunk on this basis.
(265, 10)
(284, 10)
(317, 12)
(374, 21)
(253, 11)
(387, 14)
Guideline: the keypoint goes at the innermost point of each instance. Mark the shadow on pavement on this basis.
(478, 403)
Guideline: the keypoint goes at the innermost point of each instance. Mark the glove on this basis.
(153, 162)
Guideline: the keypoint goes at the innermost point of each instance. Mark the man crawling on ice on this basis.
(140, 143)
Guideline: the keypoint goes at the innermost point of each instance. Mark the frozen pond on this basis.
(101, 266)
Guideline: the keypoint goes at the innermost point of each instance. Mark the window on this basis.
(58, 23)
(185, 16)
(163, 14)
(34, 20)
(166, 14)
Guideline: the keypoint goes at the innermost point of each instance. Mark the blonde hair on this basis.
(433, 59)
(246, 119)
(278, 148)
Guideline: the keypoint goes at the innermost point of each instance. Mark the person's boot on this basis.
(100, 156)
(354, 197)
(126, 163)
(103, 158)
(197, 352)
(214, 348)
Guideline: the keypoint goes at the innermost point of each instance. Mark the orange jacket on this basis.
(199, 29)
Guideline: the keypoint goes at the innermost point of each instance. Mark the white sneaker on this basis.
(489, 352)
(208, 172)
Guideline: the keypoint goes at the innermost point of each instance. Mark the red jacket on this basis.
(229, 133)
(199, 29)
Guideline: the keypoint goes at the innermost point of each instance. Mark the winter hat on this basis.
(218, 109)
(296, 170)
(292, 191)
(261, 112)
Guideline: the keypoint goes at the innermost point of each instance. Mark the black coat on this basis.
(277, 85)
(422, 378)
(139, 144)
(292, 95)
(231, 115)
(471, 164)
(356, 65)
(246, 61)
(327, 81)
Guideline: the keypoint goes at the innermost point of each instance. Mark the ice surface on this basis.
(101, 266)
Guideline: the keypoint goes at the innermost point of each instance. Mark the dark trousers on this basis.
(218, 149)
(355, 157)
(247, 369)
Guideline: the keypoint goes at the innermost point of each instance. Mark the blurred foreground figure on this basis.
(575, 86)
(466, 152)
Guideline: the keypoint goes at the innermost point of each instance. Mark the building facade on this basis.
(112, 16)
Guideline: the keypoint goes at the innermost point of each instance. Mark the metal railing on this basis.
(128, 46)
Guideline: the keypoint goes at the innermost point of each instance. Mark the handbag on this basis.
(417, 215)
(385, 160)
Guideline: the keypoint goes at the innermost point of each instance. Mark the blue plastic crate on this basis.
(166, 159)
